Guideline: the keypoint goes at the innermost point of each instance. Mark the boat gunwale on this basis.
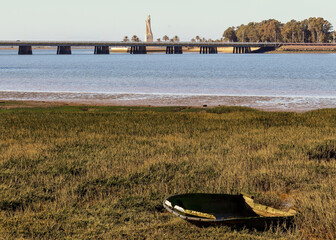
(171, 210)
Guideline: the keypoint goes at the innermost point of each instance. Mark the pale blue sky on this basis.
(112, 20)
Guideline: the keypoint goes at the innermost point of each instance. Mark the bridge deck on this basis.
(154, 44)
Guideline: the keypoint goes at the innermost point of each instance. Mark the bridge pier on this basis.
(63, 50)
(101, 50)
(138, 50)
(169, 50)
(174, 50)
(241, 50)
(25, 50)
(178, 50)
(208, 50)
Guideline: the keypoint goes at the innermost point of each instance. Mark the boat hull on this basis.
(235, 211)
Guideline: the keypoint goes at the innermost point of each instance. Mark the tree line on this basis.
(165, 38)
(312, 30)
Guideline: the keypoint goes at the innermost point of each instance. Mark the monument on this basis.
(149, 34)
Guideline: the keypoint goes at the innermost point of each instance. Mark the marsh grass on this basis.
(103, 172)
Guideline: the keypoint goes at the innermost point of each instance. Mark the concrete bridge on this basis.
(103, 47)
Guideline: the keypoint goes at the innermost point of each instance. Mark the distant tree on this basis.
(308, 30)
(203, 40)
(193, 40)
(241, 33)
(135, 38)
(252, 33)
(319, 29)
(270, 31)
(165, 38)
(229, 35)
(305, 35)
(126, 39)
(158, 40)
(171, 40)
(292, 31)
(176, 38)
(197, 38)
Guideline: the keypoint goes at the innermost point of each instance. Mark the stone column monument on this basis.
(149, 34)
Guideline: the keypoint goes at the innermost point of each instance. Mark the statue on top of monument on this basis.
(149, 34)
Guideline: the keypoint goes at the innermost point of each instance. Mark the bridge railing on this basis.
(129, 44)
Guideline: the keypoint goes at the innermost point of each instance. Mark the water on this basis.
(294, 76)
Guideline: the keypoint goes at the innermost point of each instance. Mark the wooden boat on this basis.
(237, 211)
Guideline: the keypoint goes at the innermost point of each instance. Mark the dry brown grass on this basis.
(308, 49)
(71, 173)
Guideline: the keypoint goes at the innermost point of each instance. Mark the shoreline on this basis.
(265, 103)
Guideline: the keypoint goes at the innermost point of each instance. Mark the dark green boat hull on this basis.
(225, 209)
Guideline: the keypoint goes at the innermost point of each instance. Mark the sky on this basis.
(111, 20)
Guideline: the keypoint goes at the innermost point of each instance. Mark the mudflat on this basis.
(266, 103)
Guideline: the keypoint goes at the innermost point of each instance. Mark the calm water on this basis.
(296, 75)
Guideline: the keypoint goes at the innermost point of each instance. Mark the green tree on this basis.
(229, 35)
(292, 31)
(252, 32)
(176, 38)
(135, 38)
(305, 34)
(319, 29)
(270, 31)
(165, 38)
(308, 30)
(126, 39)
(197, 38)
(241, 33)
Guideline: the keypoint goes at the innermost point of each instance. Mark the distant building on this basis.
(149, 34)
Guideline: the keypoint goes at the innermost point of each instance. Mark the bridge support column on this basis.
(63, 50)
(174, 50)
(25, 50)
(213, 50)
(240, 50)
(138, 50)
(178, 50)
(101, 50)
(208, 50)
(169, 50)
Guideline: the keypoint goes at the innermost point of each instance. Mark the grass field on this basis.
(79, 172)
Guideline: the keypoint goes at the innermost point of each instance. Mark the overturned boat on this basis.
(237, 211)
